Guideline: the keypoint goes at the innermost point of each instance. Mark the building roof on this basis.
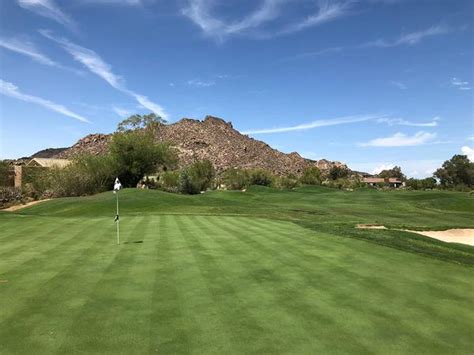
(375, 180)
(48, 162)
(395, 180)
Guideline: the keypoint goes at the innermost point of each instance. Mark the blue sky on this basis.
(372, 83)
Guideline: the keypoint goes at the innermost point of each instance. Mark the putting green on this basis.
(220, 285)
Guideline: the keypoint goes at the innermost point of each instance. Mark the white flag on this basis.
(117, 185)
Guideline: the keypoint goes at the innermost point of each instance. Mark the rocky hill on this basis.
(48, 153)
(215, 140)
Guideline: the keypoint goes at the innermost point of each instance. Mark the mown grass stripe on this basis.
(167, 331)
(19, 242)
(358, 309)
(19, 227)
(195, 296)
(238, 308)
(107, 301)
(285, 307)
(43, 329)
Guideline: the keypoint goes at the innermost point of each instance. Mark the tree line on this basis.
(136, 158)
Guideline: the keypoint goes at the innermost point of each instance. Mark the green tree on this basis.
(457, 171)
(311, 176)
(414, 184)
(395, 172)
(428, 183)
(134, 122)
(136, 154)
(338, 172)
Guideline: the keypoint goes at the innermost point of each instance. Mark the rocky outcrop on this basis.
(215, 140)
(93, 143)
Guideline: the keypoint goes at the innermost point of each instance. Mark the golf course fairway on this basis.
(264, 271)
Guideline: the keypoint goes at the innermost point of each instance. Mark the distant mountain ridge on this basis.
(48, 153)
(215, 140)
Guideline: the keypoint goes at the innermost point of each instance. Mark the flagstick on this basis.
(118, 221)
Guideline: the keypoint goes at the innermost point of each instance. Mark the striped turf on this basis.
(220, 285)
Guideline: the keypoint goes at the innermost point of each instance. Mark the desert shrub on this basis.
(260, 177)
(169, 181)
(187, 183)
(35, 181)
(150, 183)
(86, 175)
(335, 184)
(100, 170)
(196, 177)
(311, 176)
(421, 184)
(461, 188)
(286, 182)
(136, 154)
(236, 179)
(9, 196)
(338, 172)
(345, 184)
(6, 174)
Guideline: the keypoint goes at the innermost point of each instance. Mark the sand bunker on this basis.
(463, 236)
(19, 207)
(370, 226)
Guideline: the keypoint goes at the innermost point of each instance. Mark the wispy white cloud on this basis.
(469, 152)
(314, 124)
(346, 120)
(326, 11)
(460, 84)
(200, 12)
(24, 47)
(471, 138)
(9, 89)
(409, 39)
(92, 61)
(402, 122)
(401, 140)
(311, 54)
(121, 111)
(150, 105)
(113, 2)
(398, 84)
(200, 83)
(49, 9)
